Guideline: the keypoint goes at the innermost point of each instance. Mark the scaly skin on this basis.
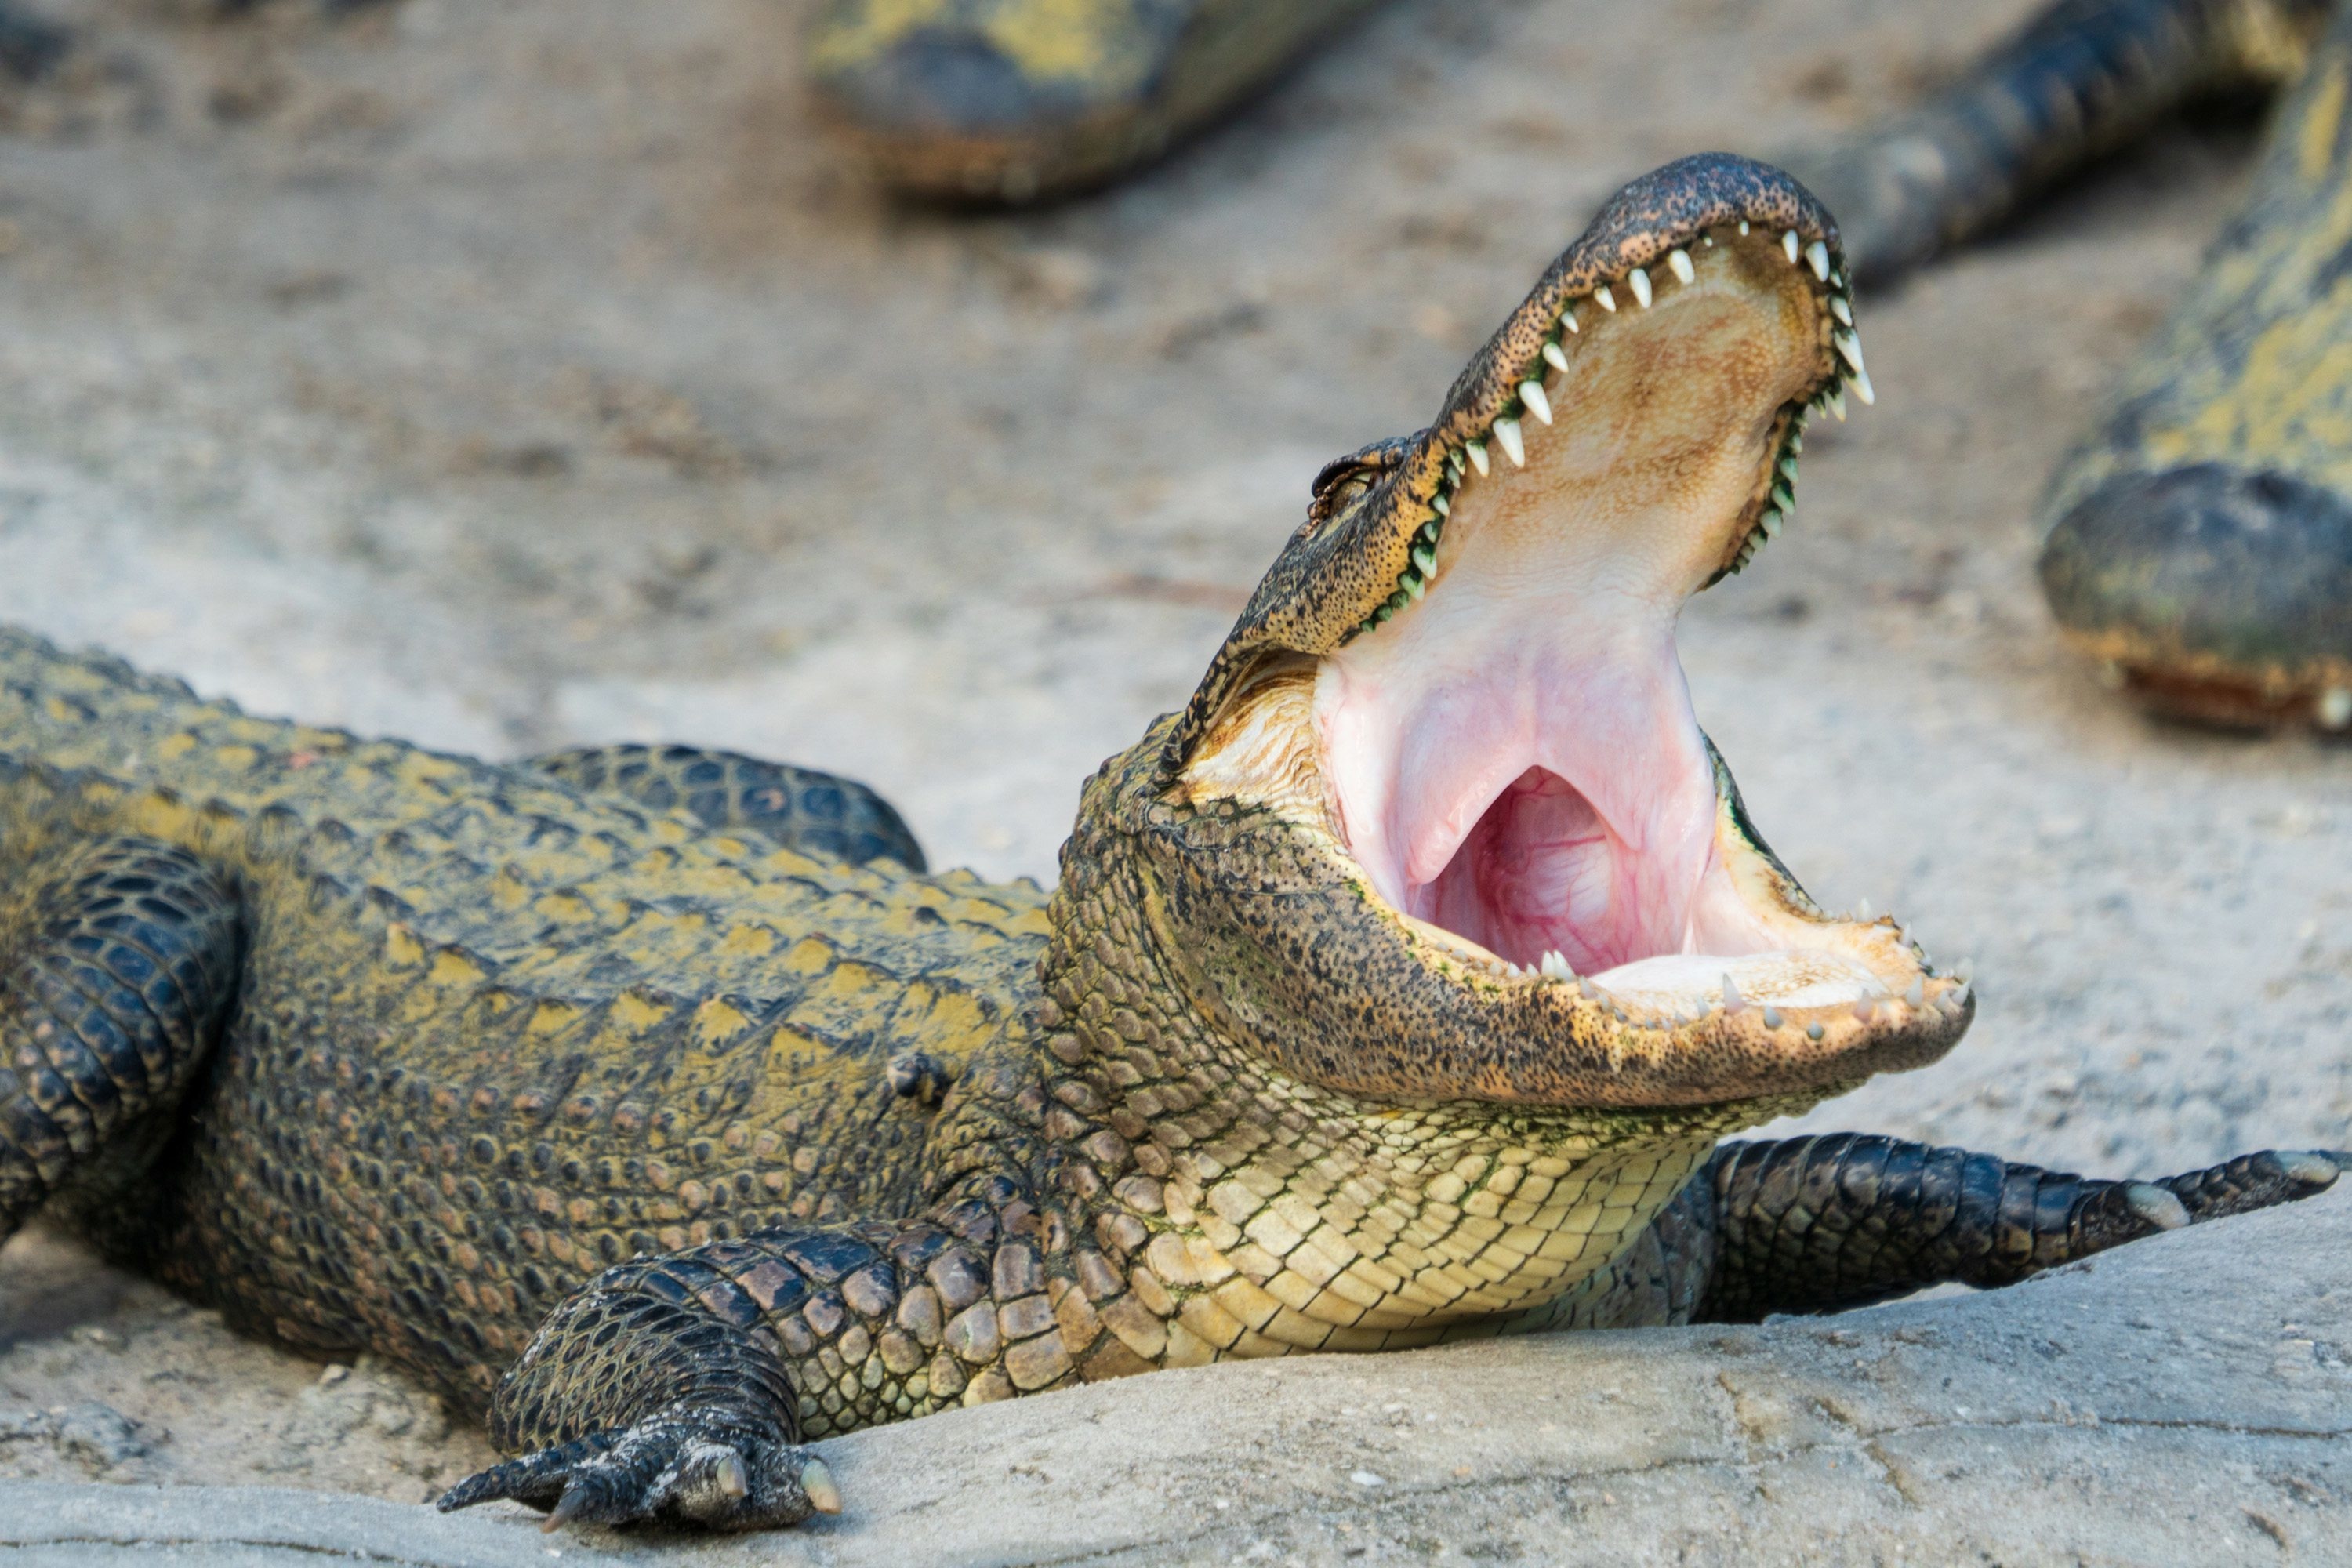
(2200, 540)
(665, 1147)
(2077, 81)
(1014, 99)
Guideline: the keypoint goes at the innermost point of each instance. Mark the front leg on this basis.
(656, 1392)
(679, 1388)
(1818, 1225)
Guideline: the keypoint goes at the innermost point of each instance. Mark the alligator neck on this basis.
(1252, 1213)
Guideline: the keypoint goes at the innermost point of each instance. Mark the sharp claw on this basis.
(2154, 1206)
(2312, 1167)
(567, 1508)
(816, 1483)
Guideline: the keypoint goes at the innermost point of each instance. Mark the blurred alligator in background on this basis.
(2199, 543)
(657, 1107)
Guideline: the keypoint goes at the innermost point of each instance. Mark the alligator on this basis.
(2198, 543)
(656, 1108)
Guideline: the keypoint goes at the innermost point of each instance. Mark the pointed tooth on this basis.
(1507, 431)
(1678, 260)
(1587, 990)
(1639, 282)
(1771, 523)
(1555, 966)
(1568, 319)
(1834, 401)
(1862, 911)
(1918, 991)
(1608, 300)
(1772, 1017)
(1818, 256)
(2333, 709)
(1425, 559)
(1862, 389)
(1788, 243)
(1849, 348)
(1784, 497)
(1478, 450)
(1531, 393)
(1555, 356)
(1444, 505)
(1864, 1011)
(1841, 310)
(1743, 226)
(1415, 586)
(1789, 469)
(1732, 1001)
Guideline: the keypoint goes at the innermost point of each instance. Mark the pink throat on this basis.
(1542, 801)
(1544, 872)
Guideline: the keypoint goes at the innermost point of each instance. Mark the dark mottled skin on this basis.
(2201, 537)
(2080, 79)
(665, 1146)
(1010, 100)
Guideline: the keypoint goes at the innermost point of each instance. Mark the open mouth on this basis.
(1505, 748)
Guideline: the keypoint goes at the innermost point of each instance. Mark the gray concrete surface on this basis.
(2166, 1405)
(507, 374)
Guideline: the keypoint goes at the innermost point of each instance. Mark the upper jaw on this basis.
(1351, 566)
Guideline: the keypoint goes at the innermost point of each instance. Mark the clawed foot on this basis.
(2253, 1182)
(667, 1469)
(2129, 1210)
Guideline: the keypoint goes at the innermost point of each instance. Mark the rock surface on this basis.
(512, 375)
(2161, 1406)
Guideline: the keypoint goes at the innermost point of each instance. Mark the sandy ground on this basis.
(510, 374)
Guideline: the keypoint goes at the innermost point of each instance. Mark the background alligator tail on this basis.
(2080, 79)
(2200, 540)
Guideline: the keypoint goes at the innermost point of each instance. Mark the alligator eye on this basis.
(1346, 482)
